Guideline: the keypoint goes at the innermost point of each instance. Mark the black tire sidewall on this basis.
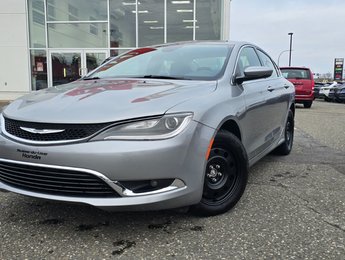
(230, 142)
(285, 148)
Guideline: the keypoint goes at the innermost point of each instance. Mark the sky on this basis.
(318, 28)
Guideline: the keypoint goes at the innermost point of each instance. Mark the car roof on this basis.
(220, 42)
(295, 68)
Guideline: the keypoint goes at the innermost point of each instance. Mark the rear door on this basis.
(278, 98)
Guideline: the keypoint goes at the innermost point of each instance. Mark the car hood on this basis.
(105, 100)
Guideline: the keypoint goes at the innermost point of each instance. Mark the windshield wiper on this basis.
(162, 77)
(92, 78)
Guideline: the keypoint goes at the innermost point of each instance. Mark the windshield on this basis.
(296, 73)
(189, 62)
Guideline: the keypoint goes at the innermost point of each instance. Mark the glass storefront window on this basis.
(38, 62)
(122, 24)
(208, 19)
(77, 10)
(66, 67)
(37, 24)
(180, 16)
(78, 35)
(85, 26)
(150, 23)
(94, 59)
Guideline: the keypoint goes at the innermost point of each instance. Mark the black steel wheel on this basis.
(225, 176)
(286, 147)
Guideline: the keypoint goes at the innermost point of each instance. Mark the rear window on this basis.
(296, 73)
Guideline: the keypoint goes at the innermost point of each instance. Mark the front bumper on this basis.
(181, 158)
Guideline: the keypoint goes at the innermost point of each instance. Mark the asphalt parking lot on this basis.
(293, 208)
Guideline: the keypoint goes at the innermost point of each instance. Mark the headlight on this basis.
(165, 127)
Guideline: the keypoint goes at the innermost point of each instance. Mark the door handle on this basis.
(270, 89)
(286, 86)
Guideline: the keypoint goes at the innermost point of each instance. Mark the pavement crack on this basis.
(337, 226)
(334, 225)
(320, 214)
(314, 210)
(322, 217)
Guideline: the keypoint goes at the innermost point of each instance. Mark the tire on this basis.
(226, 176)
(286, 147)
(307, 104)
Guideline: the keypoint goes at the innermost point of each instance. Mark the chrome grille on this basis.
(54, 181)
(71, 131)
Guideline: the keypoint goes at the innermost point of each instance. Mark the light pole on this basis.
(290, 48)
(281, 55)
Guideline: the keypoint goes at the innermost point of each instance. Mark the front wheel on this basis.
(225, 177)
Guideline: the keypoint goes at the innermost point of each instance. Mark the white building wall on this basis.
(14, 57)
(225, 26)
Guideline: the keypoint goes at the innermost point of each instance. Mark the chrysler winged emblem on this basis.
(42, 131)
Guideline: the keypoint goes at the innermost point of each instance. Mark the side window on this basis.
(267, 62)
(247, 58)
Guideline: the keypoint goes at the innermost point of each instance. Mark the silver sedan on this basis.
(157, 127)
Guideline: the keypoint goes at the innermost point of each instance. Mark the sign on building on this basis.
(338, 68)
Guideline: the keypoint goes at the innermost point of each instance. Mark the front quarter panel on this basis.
(226, 102)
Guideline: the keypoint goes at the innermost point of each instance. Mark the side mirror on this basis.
(252, 73)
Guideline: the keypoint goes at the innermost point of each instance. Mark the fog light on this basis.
(154, 184)
(146, 185)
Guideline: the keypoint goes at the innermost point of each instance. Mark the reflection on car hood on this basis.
(105, 100)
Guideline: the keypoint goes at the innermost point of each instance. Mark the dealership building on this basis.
(45, 43)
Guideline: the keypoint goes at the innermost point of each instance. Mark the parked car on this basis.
(332, 91)
(324, 91)
(303, 80)
(339, 94)
(317, 88)
(155, 128)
